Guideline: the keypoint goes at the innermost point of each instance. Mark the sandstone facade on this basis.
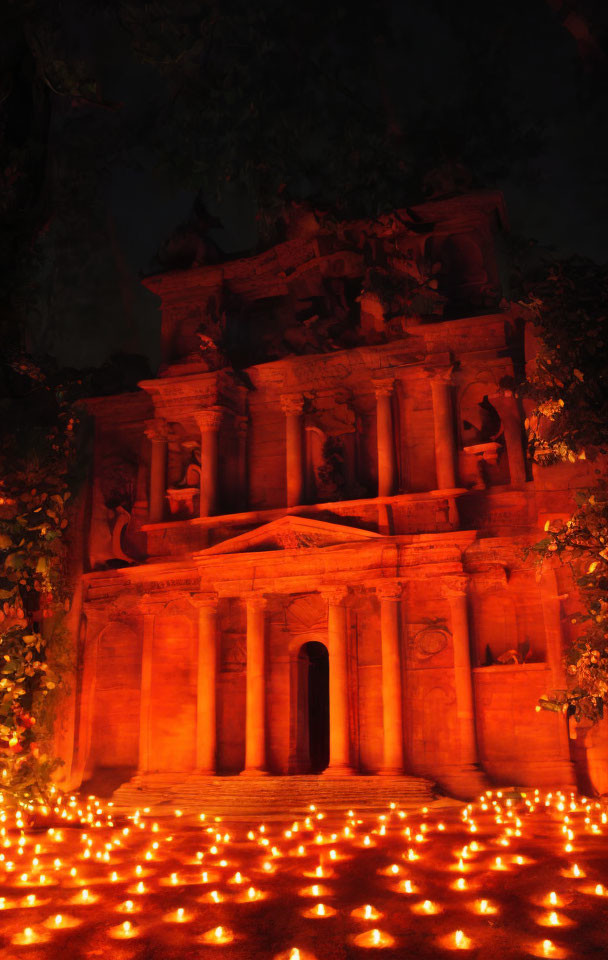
(305, 536)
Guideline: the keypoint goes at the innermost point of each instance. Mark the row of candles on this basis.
(109, 840)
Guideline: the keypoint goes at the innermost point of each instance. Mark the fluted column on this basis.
(255, 719)
(209, 423)
(337, 637)
(385, 440)
(389, 595)
(443, 418)
(293, 407)
(145, 697)
(206, 683)
(508, 411)
(455, 589)
(158, 435)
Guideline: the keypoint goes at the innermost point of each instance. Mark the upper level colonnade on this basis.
(222, 423)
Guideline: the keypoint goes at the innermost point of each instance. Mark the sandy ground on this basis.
(417, 884)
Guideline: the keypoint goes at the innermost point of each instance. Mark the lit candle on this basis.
(373, 938)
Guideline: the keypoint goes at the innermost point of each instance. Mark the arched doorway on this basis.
(313, 707)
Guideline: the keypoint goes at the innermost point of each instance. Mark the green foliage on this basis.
(568, 382)
(582, 543)
(37, 479)
(569, 378)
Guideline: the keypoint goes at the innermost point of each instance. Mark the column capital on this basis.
(210, 418)
(440, 374)
(201, 601)
(383, 386)
(455, 586)
(158, 430)
(255, 600)
(335, 594)
(292, 403)
(389, 590)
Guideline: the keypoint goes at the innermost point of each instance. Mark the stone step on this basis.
(294, 794)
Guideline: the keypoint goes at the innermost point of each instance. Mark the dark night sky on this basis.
(564, 203)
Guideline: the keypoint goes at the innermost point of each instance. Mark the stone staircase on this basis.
(247, 796)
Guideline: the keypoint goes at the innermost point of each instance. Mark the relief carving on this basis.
(233, 652)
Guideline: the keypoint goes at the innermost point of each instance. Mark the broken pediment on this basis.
(289, 533)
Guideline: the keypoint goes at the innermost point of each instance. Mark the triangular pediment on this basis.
(289, 533)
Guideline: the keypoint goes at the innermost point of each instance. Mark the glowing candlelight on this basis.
(374, 938)
(366, 912)
(218, 935)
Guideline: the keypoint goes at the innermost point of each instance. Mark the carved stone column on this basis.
(561, 769)
(96, 618)
(145, 697)
(389, 595)
(455, 589)
(158, 434)
(445, 441)
(508, 411)
(255, 720)
(293, 407)
(385, 440)
(242, 486)
(339, 736)
(209, 423)
(206, 683)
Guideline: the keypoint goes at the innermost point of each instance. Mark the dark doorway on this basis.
(317, 657)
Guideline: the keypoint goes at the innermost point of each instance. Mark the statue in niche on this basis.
(190, 244)
(482, 423)
(113, 499)
(192, 472)
(331, 473)
(523, 654)
(211, 333)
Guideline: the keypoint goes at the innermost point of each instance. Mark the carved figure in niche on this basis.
(482, 423)
(211, 333)
(522, 655)
(192, 472)
(113, 500)
(331, 473)
(190, 245)
(233, 652)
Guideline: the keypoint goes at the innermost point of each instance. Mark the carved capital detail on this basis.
(204, 600)
(390, 590)
(383, 386)
(209, 419)
(440, 375)
(335, 594)
(158, 431)
(455, 586)
(292, 403)
(255, 601)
